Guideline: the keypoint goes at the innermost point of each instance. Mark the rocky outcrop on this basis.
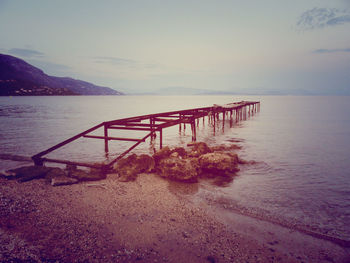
(218, 163)
(180, 165)
(163, 153)
(128, 168)
(179, 152)
(198, 149)
(174, 164)
(179, 169)
(54, 175)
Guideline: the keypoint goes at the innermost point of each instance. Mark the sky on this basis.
(267, 47)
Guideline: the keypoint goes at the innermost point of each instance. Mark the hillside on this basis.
(18, 78)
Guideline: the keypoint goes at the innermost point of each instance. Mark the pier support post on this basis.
(153, 134)
(223, 120)
(161, 138)
(180, 117)
(193, 128)
(106, 140)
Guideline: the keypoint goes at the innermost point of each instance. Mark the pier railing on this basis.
(152, 124)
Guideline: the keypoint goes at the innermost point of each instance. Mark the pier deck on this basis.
(152, 124)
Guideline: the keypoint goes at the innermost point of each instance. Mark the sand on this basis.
(148, 220)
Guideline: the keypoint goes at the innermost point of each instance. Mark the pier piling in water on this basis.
(153, 123)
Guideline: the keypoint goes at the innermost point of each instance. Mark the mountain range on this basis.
(18, 78)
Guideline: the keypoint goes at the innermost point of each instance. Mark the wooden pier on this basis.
(152, 124)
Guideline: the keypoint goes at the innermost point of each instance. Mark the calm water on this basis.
(301, 146)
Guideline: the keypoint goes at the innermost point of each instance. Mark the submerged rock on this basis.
(27, 173)
(128, 168)
(85, 176)
(8, 175)
(56, 176)
(179, 169)
(218, 163)
(55, 172)
(63, 180)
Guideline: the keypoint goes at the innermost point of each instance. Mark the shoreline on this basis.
(223, 205)
(147, 220)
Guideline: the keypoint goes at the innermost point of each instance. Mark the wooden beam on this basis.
(98, 166)
(164, 120)
(112, 138)
(129, 128)
(132, 124)
(106, 138)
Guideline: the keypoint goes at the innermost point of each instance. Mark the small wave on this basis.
(232, 206)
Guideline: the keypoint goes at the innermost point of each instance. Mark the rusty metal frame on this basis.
(155, 123)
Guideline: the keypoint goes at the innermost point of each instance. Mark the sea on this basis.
(297, 148)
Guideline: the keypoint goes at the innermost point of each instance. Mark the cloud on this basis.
(336, 50)
(116, 61)
(322, 17)
(124, 62)
(28, 53)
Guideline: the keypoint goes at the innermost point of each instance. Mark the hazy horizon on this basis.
(255, 47)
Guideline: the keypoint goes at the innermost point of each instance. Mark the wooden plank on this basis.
(112, 138)
(106, 138)
(164, 120)
(132, 124)
(98, 166)
(129, 128)
(173, 123)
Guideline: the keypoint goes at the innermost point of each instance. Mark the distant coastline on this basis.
(18, 78)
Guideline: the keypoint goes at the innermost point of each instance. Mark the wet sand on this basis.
(149, 220)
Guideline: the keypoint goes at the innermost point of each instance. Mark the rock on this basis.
(179, 169)
(84, 176)
(27, 173)
(8, 175)
(179, 152)
(185, 234)
(218, 163)
(161, 154)
(55, 172)
(198, 149)
(145, 163)
(71, 167)
(57, 176)
(128, 168)
(211, 259)
(175, 155)
(63, 180)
